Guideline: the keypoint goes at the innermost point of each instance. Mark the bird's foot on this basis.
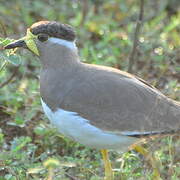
(151, 159)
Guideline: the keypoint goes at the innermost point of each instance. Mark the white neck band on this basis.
(68, 44)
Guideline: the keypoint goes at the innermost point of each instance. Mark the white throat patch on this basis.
(68, 44)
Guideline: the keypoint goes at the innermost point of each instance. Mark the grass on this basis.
(29, 147)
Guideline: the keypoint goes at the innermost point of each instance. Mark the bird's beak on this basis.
(27, 42)
(15, 44)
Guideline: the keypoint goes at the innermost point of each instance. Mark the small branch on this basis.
(71, 177)
(3, 28)
(3, 65)
(136, 37)
(10, 78)
(84, 10)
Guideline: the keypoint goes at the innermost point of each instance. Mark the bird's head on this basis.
(45, 34)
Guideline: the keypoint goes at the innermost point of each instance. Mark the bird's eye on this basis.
(42, 37)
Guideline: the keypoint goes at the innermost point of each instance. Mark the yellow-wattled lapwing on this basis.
(97, 106)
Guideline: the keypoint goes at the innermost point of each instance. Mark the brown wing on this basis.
(117, 101)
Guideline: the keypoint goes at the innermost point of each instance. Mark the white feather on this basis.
(79, 129)
(68, 44)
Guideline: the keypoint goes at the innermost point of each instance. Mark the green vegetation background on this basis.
(105, 30)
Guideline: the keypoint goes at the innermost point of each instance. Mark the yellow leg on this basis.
(107, 165)
(148, 156)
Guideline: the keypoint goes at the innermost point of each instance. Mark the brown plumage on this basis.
(97, 106)
(110, 99)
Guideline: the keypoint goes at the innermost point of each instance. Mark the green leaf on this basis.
(19, 143)
(12, 58)
(35, 170)
(1, 137)
(4, 42)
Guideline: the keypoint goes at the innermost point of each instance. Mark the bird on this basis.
(100, 107)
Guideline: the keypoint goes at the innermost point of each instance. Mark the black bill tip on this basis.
(19, 43)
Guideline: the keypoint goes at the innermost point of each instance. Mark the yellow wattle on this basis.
(29, 40)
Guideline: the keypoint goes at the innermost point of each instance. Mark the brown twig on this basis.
(136, 36)
(3, 28)
(10, 78)
(84, 10)
(71, 177)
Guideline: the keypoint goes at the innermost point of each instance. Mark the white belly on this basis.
(79, 129)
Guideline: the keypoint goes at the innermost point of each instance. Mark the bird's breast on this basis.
(72, 125)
